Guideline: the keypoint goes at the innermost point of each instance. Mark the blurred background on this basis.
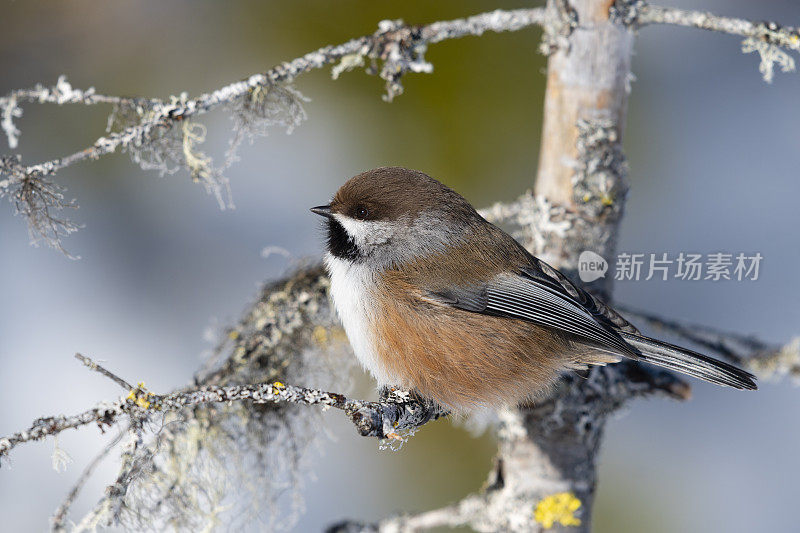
(714, 154)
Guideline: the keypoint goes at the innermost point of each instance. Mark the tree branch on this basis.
(400, 47)
(396, 412)
(162, 135)
(766, 38)
(771, 32)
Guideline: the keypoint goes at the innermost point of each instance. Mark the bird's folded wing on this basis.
(544, 273)
(539, 299)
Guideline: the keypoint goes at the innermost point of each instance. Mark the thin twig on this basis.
(132, 464)
(60, 516)
(771, 32)
(110, 375)
(769, 39)
(467, 511)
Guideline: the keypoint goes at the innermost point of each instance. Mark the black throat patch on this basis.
(340, 244)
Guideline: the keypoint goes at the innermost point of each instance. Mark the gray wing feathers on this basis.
(524, 298)
(520, 297)
(544, 273)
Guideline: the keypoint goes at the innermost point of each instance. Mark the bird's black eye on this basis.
(362, 212)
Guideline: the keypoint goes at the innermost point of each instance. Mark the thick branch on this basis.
(587, 78)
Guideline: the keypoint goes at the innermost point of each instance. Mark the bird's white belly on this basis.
(352, 290)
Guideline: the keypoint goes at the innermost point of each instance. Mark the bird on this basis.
(437, 300)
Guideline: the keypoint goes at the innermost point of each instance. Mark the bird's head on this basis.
(390, 215)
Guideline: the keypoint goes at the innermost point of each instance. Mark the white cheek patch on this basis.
(366, 233)
(388, 243)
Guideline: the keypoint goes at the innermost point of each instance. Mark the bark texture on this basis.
(553, 448)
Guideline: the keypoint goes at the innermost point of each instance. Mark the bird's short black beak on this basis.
(322, 210)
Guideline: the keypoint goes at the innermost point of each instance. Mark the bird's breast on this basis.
(353, 290)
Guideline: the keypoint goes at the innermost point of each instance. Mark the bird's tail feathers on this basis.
(690, 362)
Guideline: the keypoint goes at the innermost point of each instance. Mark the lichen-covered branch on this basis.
(771, 32)
(237, 424)
(766, 38)
(396, 412)
(61, 93)
(163, 134)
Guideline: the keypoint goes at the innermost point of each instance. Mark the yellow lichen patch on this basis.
(277, 387)
(233, 335)
(140, 396)
(558, 508)
(607, 200)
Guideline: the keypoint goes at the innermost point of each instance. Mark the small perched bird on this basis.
(436, 299)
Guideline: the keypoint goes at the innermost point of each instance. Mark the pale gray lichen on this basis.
(599, 181)
(770, 54)
(401, 49)
(560, 21)
(626, 12)
(171, 146)
(40, 202)
(261, 109)
(346, 64)
(9, 110)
